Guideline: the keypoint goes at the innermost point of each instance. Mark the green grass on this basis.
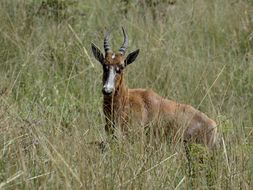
(195, 52)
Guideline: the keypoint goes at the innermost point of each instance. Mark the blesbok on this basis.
(123, 106)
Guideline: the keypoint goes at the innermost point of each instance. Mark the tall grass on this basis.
(195, 52)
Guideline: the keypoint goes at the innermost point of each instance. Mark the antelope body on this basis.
(124, 107)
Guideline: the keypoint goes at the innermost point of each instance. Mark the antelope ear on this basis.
(97, 53)
(131, 57)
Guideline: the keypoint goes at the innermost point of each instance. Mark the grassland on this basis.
(198, 52)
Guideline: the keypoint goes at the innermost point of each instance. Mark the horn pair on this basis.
(124, 46)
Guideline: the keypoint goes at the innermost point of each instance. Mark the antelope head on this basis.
(113, 63)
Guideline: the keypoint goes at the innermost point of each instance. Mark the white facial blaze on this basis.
(113, 55)
(110, 81)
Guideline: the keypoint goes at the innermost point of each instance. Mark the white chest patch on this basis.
(113, 55)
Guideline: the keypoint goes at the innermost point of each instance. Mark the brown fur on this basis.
(143, 106)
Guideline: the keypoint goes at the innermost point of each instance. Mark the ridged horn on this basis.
(106, 42)
(124, 46)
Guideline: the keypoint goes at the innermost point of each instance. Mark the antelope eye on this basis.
(106, 67)
(118, 69)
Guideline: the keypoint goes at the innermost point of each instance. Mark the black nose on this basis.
(106, 91)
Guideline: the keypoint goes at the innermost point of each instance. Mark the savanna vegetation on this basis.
(198, 52)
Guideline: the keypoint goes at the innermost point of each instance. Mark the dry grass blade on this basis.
(10, 179)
